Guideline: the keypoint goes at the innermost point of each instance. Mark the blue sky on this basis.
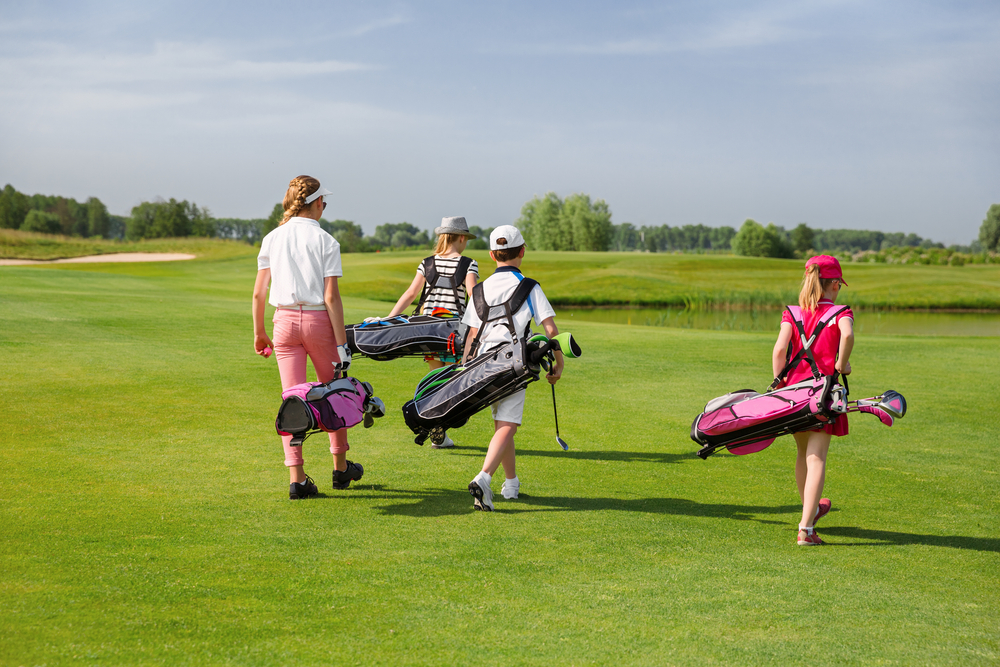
(837, 114)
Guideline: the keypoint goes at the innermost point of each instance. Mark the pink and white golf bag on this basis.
(311, 407)
(745, 422)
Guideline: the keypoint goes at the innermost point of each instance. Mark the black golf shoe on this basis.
(297, 490)
(343, 478)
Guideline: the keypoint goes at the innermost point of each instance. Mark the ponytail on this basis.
(813, 288)
(299, 188)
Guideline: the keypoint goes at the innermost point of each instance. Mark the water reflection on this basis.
(768, 319)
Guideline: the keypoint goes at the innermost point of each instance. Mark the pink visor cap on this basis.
(829, 267)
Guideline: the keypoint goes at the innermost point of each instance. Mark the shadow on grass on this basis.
(450, 502)
(454, 502)
(600, 455)
(887, 537)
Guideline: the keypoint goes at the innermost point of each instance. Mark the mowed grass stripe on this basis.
(146, 520)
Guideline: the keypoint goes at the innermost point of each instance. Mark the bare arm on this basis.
(781, 348)
(843, 364)
(470, 281)
(470, 336)
(551, 330)
(334, 308)
(408, 296)
(260, 338)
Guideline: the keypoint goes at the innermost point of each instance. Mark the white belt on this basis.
(302, 307)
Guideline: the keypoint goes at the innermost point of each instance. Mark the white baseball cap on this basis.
(320, 192)
(510, 234)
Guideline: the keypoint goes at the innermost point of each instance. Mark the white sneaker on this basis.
(510, 488)
(482, 494)
(448, 442)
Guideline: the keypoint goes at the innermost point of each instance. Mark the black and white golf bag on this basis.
(415, 335)
(447, 397)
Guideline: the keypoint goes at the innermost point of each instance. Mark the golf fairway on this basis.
(145, 517)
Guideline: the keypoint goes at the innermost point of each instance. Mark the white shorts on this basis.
(510, 409)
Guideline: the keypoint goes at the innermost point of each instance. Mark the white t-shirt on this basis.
(498, 288)
(442, 297)
(300, 255)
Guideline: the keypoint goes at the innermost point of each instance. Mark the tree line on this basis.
(574, 223)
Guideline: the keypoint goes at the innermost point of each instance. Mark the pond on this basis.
(868, 322)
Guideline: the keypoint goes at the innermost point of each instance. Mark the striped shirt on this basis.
(442, 297)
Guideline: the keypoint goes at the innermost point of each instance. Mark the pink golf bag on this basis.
(311, 407)
(745, 422)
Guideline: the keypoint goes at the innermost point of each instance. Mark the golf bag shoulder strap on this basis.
(807, 341)
(505, 310)
(432, 278)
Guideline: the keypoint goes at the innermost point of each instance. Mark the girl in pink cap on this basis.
(832, 349)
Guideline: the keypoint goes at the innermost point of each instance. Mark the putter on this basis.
(562, 443)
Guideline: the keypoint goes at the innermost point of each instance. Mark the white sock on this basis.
(484, 477)
(513, 481)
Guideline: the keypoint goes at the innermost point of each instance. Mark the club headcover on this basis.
(568, 345)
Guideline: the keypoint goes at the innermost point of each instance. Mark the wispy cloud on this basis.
(394, 20)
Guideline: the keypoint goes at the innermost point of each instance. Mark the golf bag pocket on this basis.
(315, 406)
(745, 421)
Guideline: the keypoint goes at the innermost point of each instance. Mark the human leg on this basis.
(291, 358)
(501, 449)
(817, 447)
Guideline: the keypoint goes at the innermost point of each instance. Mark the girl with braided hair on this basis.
(301, 263)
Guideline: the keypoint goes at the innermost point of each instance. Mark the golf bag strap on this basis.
(806, 352)
(455, 281)
(510, 306)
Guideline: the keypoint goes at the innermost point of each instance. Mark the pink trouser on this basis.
(298, 333)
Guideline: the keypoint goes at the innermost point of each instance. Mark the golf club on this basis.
(562, 443)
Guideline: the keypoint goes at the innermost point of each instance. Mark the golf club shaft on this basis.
(555, 413)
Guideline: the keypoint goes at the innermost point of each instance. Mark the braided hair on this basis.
(299, 188)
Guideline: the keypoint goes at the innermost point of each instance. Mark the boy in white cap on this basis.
(507, 250)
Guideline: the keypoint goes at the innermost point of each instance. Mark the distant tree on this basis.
(349, 235)
(163, 219)
(803, 238)
(98, 220)
(40, 221)
(989, 232)
(541, 225)
(625, 237)
(273, 220)
(589, 222)
(578, 223)
(401, 235)
(14, 207)
(482, 240)
(239, 229)
(754, 240)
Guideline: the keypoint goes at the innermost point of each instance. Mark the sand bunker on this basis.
(115, 257)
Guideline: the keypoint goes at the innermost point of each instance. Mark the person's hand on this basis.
(369, 320)
(262, 342)
(344, 354)
(843, 368)
(555, 373)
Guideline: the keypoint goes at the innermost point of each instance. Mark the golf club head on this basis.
(884, 416)
(562, 443)
(893, 403)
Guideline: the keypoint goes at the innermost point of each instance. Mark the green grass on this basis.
(643, 279)
(15, 244)
(145, 519)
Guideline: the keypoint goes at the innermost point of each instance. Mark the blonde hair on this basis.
(813, 288)
(445, 241)
(299, 188)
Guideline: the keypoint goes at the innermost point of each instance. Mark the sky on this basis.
(839, 114)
